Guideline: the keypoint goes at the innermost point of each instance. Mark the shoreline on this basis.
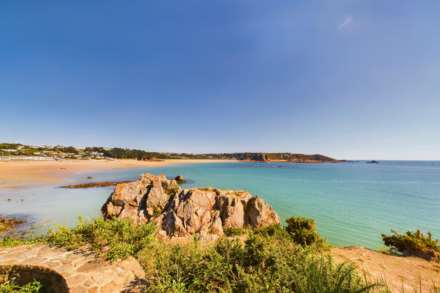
(399, 272)
(22, 174)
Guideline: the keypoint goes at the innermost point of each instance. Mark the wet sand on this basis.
(16, 174)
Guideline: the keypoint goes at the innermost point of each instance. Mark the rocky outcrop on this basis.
(178, 212)
(7, 224)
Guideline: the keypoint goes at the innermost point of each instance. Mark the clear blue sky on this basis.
(352, 79)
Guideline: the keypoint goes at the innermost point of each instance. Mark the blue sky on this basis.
(351, 79)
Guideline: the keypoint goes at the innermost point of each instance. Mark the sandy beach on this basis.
(15, 174)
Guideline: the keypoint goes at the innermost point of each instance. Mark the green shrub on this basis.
(261, 264)
(9, 286)
(322, 275)
(303, 231)
(11, 241)
(114, 239)
(234, 232)
(274, 231)
(413, 243)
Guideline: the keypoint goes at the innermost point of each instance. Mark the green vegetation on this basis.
(120, 153)
(115, 239)
(69, 149)
(413, 243)
(303, 231)
(70, 152)
(9, 286)
(270, 259)
(9, 145)
(260, 264)
(234, 232)
(9, 241)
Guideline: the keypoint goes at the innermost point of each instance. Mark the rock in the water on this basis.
(181, 213)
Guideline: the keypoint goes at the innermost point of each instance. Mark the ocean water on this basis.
(352, 203)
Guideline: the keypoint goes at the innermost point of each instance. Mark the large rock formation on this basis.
(179, 212)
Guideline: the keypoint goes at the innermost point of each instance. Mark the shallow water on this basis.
(352, 202)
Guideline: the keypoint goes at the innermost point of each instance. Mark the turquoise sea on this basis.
(352, 203)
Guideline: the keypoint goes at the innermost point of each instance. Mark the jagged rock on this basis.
(140, 200)
(257, 213)
(181, 213)
(232, 208)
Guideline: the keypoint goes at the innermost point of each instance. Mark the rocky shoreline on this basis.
(93, 184)
(7, 223)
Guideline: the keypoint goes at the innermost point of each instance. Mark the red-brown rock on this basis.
(181, 213)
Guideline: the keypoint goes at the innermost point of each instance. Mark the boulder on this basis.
(177, 212)
(257, 213)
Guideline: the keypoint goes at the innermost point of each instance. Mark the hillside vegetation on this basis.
(70, 152)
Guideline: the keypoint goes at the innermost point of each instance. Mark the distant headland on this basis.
(14, 151)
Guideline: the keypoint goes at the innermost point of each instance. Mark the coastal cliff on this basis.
(177, 212)
(285, 157)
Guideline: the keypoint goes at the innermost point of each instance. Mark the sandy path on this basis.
(14, 174)
(411, 274)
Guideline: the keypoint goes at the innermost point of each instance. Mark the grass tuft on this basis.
(114, 239)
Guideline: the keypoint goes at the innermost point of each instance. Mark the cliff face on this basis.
(177, 212)
(287, 157)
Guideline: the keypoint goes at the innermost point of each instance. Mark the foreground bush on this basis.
(114, 239)
(9, 286)
(271, 259)
(413, 243)
(260, 264)
(303, 231)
